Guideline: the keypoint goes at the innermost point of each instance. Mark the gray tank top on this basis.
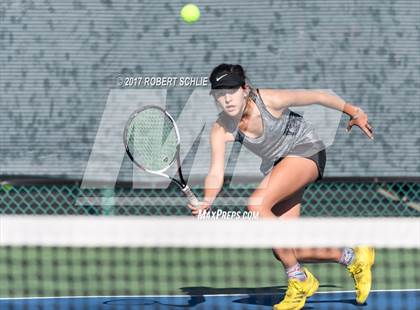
(289, 134)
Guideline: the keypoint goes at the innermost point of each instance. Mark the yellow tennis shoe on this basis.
(360, 270)
(297, 292)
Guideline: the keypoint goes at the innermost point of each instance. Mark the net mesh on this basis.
(152, 139)
(160, 263)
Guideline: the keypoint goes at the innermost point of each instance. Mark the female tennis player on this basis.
(292, 157)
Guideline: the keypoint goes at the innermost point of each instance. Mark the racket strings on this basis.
(152, 139)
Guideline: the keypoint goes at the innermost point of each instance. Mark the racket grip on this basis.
(190, 195)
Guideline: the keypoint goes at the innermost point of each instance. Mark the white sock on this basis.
(296, 272)
(347, 256)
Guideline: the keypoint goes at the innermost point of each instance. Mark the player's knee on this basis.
(253, 203)
(252, 208)
(258, 204)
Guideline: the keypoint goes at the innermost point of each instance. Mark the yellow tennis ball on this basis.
(6, 186)
(190, 13)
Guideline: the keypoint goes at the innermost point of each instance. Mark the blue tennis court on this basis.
(407, 299)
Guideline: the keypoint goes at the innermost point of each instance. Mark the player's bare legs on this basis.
(279, 195)
(293, 207)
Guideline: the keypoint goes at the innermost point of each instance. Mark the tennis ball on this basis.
(190, 13)
(6, 186)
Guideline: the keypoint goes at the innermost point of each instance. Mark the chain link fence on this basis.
(321, 199)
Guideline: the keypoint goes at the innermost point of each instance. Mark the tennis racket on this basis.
(152, 141)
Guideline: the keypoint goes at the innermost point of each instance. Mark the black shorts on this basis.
(320, 160)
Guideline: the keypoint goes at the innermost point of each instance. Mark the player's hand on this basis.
(361, 120)
(203, 206)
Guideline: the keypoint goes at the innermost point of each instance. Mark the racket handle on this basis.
(190, 195)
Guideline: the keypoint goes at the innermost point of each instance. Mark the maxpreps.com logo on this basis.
(227, 215)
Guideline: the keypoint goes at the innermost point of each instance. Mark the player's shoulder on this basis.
(274, 98)
(224, 121)
(223, 128)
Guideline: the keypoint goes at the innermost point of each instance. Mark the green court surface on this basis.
(37, 271)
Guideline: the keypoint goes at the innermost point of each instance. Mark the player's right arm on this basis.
(214, 180)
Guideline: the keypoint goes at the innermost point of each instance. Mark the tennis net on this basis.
(167, 263)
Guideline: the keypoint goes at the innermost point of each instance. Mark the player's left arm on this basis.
(279, 99)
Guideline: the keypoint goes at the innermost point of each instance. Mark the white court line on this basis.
(205, 295)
